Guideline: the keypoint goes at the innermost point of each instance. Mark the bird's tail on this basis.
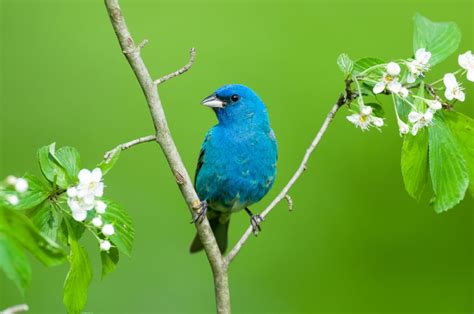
(220, 229)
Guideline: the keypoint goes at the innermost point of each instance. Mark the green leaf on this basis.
(403, 108)
(78, 278)
(345, 63)
(107, 164)
(124, 232)
(377, 109)
(462, 127)
(19, 227)
(50, 168)
(441, 39)
(418, 102)
(109, 261)
(47, 219)
(365, 63)
(447, 166)
(414, 163)
(14, 263)
(69, 159)
(36, 194)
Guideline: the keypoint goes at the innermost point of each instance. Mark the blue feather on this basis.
(237, 163)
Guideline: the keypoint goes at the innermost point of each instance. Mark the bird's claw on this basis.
(200, 212)
(255, 221)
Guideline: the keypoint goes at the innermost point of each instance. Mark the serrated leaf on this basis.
(19, 227)
(441, 39)
(345, 63)
(462, 127)
(36, 194)
(69, 159)
(363, 64)
(109, 261)
(447, 166)
(50, 168)
(14, 262)
(107, 164)
(47, 219)
(78, 278)
(124, 231)
(414, 163)
(403, 108)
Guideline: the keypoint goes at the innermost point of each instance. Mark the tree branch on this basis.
(15, 309)
(192, 55)
(108, 155)
(165, 140)
(284, 193)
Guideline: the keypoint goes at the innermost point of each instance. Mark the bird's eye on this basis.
(234, 97)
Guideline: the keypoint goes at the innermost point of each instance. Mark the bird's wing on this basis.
(201, 156)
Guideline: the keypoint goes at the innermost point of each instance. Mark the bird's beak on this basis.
(213, 102)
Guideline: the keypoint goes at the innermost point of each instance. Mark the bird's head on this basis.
(236, 103)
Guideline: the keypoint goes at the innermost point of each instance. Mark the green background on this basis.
(355, 241)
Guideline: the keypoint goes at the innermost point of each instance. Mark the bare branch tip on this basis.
(289, 200)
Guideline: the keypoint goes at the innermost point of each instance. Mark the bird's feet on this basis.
(255, 221)
(200, 212)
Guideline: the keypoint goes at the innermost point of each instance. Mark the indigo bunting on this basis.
(237, 162)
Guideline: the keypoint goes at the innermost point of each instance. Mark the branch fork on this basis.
(219, 264)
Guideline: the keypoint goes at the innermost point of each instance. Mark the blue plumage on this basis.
(237, 163)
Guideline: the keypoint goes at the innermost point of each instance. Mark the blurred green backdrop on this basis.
(355, 241)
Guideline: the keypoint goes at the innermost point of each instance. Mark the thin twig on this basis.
(192, 55)
(166, 142)
(228, 259)
(108, 155)
(289, 200)
(16, 309)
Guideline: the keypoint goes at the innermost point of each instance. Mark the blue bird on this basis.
(237, 162)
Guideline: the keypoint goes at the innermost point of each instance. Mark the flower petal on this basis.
(470, 75)
(414, 116)
(450, 80)
(79, 215)
(393, 69)
(379, 87)
(394, 86)
(96, 175)
(465, 60)
(85, 176)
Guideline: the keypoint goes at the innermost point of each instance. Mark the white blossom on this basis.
(97, 221)
(389, 79)
(11, 180)
(12, 199)
(365, 119)
(90, 183)
(466, 61)
(108, 230)
(434, 104)
(100, 207)
(79, 215)
(105, 245)
(418, 66)
(81, 198)
(21, 185)
(403, 127)
(378, 122)
(453, 88)
(420, 120)
(403, 92)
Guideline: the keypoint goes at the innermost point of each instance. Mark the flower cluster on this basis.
(19, 185)
(365, 118)
(83, 198)
(392, 81)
